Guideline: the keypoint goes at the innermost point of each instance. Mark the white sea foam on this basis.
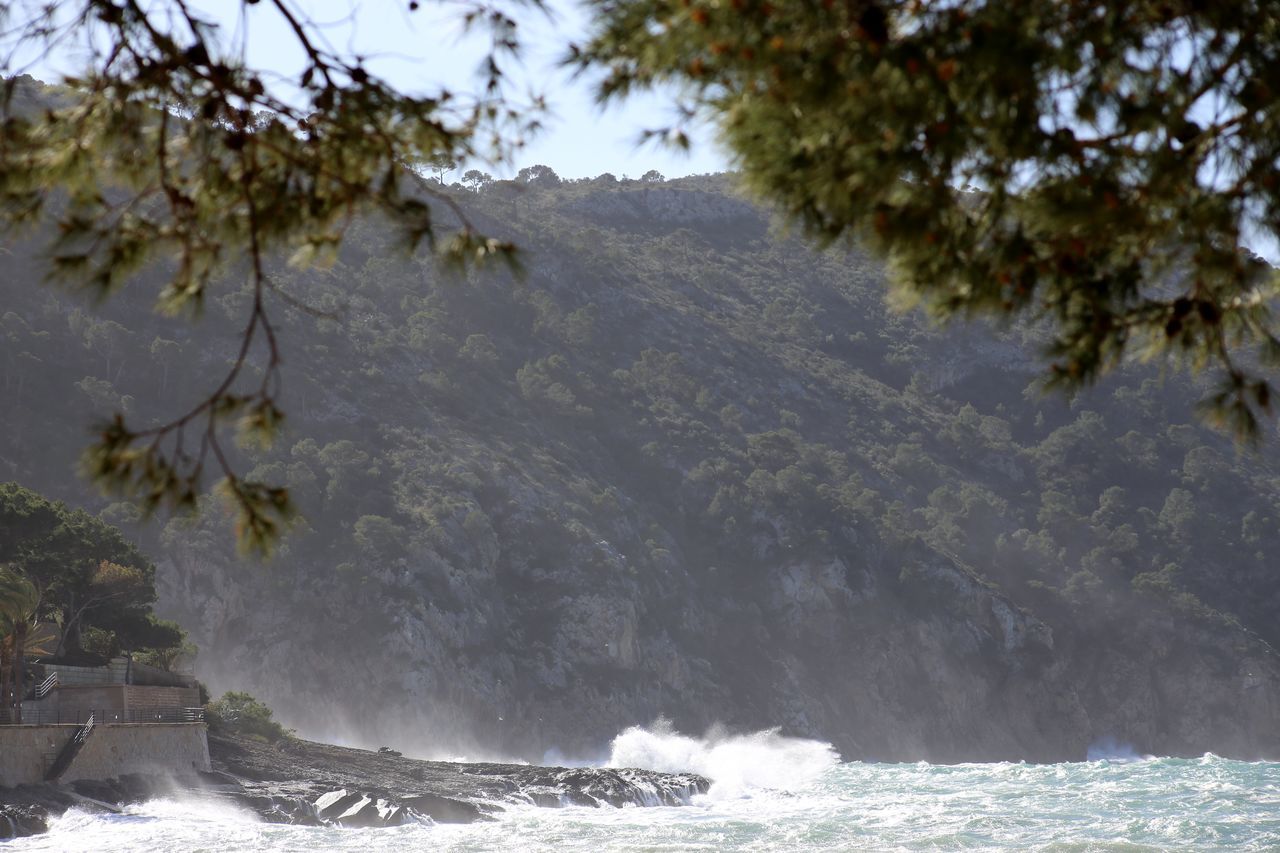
(736, 764)
(155, 825)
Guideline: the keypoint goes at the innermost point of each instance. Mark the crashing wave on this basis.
(736, 764)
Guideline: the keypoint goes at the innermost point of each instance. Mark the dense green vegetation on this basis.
(675, 407)
(240, 713)
(64, 567)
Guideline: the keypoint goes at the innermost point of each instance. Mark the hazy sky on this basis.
(427, 46)
(422, 50)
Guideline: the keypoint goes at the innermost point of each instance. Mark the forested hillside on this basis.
(687, 466)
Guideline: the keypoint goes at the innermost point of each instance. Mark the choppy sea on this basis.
(775, 793)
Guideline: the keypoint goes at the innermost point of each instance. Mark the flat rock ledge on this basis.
(308, 783)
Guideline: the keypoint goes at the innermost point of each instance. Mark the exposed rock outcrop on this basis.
(301, 782)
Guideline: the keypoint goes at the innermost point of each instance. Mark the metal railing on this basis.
(101, 716)
(47, 685)
(69, 752)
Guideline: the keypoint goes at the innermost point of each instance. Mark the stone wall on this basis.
(72, 704)
(96, 697)
(112, 673)
(26, 751)
(139, 698)
(111, 750)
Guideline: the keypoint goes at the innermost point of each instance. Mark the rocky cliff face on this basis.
(693, 468)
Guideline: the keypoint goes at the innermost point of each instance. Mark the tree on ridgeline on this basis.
(538, 176)
(476, 179)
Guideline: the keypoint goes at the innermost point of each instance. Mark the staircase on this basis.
(70, 751)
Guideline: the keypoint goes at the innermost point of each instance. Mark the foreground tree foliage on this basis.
(1093, 165)
(168, 147)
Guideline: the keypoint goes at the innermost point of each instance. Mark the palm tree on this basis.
(19, 605)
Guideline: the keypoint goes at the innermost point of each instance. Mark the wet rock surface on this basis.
(302, 782)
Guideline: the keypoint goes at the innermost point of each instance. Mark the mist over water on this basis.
(1110, 749)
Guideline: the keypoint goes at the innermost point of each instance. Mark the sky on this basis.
(421, 50)
(428, 46)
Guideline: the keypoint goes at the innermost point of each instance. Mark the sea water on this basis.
(776, 793)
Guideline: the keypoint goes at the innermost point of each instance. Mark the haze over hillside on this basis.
(687, 467)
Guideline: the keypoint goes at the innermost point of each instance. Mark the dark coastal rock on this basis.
(300, 782)
(27, 809)
(449, 792)
(18, 821)
(445, 809)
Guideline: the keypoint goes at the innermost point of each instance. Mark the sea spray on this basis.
(736, 764)
(1110, 749)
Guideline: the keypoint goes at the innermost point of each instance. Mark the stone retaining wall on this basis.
(26, 750)
(112, 749)
(75, 701)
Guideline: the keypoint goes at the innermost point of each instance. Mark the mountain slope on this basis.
(688, 467)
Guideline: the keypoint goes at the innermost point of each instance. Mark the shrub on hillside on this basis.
(240, 713)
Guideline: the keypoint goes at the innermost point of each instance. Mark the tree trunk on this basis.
(19, 674)
(69, 641)
(6, 695)
(62, 635)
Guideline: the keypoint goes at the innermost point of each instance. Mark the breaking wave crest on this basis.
(736, 764)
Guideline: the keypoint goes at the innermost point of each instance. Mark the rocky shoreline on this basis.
(302, 782)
